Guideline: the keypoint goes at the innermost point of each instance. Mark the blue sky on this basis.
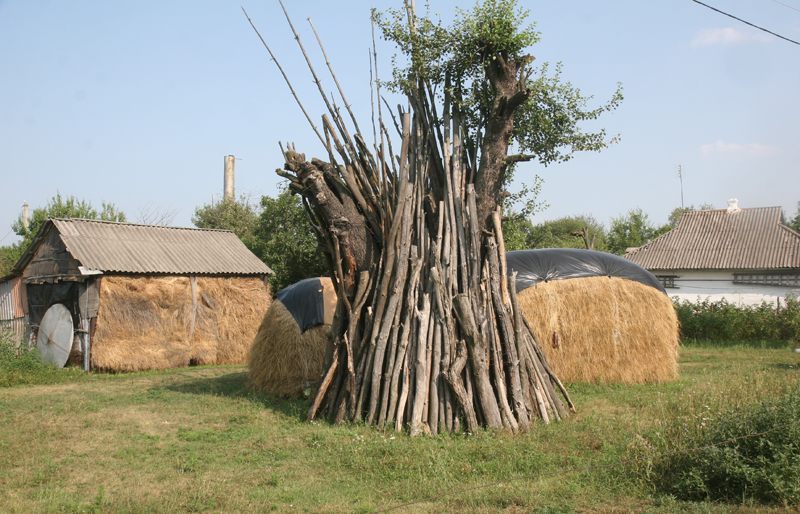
(137, 103)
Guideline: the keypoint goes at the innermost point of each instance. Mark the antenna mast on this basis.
(680, 176)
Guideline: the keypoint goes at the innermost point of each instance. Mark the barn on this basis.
(114, 296)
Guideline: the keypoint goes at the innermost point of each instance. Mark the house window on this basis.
(768, 279)
(667, 281)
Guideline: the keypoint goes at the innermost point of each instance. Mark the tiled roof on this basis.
(110, 246)
(753, 238)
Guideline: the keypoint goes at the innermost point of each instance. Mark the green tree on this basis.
(239, 216)
(56, 207)
(9, 255)
(481, 63)
(64, 207)
(277, 230)
(517, 228)
(794, 223)
(564, 232)
(567, 232)
(677, 213)
(517, 232)
(286, 241)
(631, 230)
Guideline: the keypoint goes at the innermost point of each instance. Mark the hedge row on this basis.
(722, 321)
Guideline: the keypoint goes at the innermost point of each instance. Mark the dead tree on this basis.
(584, 234)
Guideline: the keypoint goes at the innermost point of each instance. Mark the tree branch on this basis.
(520, 157)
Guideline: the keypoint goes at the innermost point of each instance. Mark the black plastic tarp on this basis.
(534, 266)
(305, 301)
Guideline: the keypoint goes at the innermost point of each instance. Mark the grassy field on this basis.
(194, 440)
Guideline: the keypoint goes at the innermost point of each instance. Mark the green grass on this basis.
(762, 344)
(22, 365)
(195, 440)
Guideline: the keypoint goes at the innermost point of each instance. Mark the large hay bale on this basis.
(283, 362)
(610, 330)
(151, 323)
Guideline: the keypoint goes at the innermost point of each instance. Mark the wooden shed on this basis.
(132, 297)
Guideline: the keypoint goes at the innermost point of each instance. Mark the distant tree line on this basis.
(278, 231)
(632, 229)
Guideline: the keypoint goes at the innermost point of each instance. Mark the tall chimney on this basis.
(228, 188)
(25, 216)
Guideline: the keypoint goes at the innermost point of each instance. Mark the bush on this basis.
(763, 469)
(22, 365)
(724, 322)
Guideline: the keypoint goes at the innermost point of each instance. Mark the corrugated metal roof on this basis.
(753, 238)
(110, 246)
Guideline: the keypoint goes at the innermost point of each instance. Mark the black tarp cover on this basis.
(534, 266)
(305, 301)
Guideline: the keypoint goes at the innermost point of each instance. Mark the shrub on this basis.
(762, 469)
(724, 322)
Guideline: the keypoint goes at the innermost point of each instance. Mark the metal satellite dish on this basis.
(55, 335)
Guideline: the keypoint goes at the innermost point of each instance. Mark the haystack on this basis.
(150, 323)
(604, 329)
(284, 360)
(597, 327)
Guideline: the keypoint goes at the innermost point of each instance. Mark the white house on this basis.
(744, 255)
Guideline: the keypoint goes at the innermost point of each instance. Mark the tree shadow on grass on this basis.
(234, 385)
(786, 367)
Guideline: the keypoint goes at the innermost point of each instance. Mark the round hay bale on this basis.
(283, 362)
(608, 329)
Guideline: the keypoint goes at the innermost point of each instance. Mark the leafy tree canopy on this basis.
(286, 241)
(794, 223)
(239, 216)
(64, 207)
(9, 255)
(675, 216)
(630, 230)
(546, 123)
(517, 233)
